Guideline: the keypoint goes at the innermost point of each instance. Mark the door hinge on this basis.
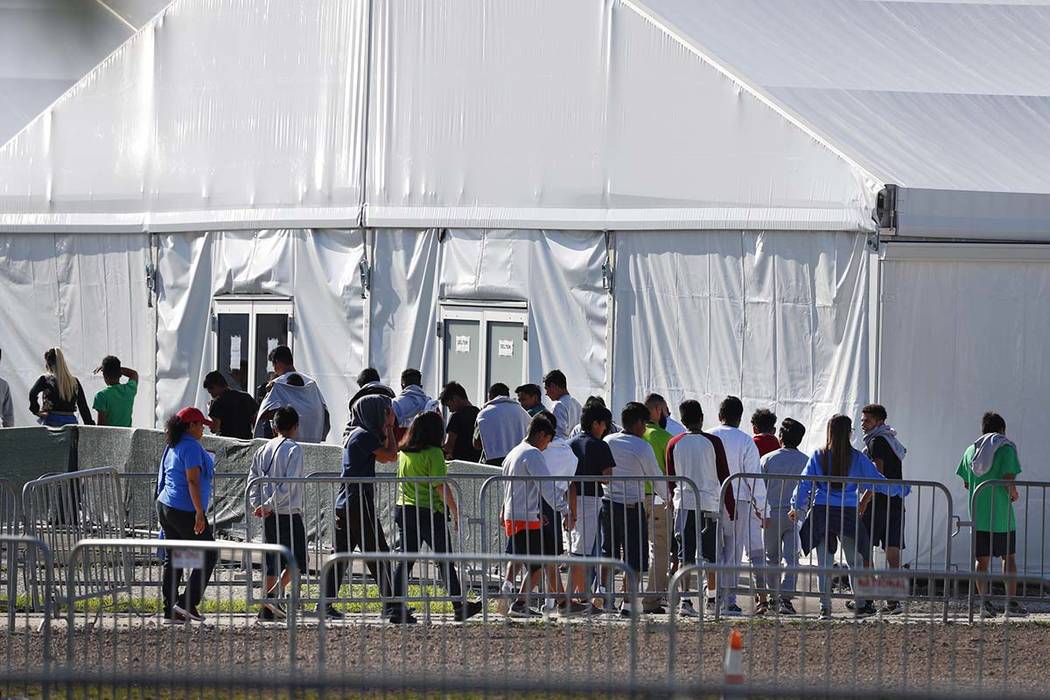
(440, 329)
(525, 333)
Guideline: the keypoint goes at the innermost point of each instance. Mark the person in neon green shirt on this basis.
(116, 402)
(659, 553)
(421, 507)
(993, 457)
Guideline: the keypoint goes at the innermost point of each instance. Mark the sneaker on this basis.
(266, 615)
(521, 610)
(687, 610)
(710, 606)
(571, 608)
(851, 605)
(654, 609)
(330, 613)
(825, 613)
(175, 618)
(466, 611)
(625, 610)
(866, 610)
(275, 609)
(732, 610)
(594, 610)
(403, 616)
(786, 608)
(988, 610)
(190, 614)
(892, 607)
(761, 608)
(1015, 609)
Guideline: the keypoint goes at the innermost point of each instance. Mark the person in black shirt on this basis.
(459, 442)
(231, 411)
(62, 395)
(595, 459)
(884, 515)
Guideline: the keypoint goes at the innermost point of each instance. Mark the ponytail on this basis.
(64, 379)
(174, 429)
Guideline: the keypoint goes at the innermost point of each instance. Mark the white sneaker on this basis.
(503, 604)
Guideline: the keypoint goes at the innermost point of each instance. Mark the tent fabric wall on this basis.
(319, 269)
(84, 293)
(964, 329)
(777, 318)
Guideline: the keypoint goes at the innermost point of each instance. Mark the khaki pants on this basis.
(659, 527)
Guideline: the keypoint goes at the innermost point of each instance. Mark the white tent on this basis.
(678, 196)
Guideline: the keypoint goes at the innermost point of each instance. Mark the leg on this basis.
(824, 559)
(173, 527)
(440, 540)
(1010, 569)
(271, 562)
(407, 519)
(789, 551)
(857, 559)
(200, 577)
(367, 533)
(658, 549)
(341, 542)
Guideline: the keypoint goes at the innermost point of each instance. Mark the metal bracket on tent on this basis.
(440, 329)
(151, 283)
(366, 277)
(874, 241)
(607, 277)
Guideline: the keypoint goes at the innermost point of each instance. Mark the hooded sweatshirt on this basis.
(411, 402)
(984, 451)
(306, 400)
(502, 424)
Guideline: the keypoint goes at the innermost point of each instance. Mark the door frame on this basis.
(483, 313)
(251, 305)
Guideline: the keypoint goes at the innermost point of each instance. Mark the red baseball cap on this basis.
(191, 414)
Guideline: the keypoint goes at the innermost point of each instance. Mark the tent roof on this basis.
(634, 114)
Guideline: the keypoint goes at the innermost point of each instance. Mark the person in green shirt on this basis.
(659, 552)
(421, 507)
(116, 402)
(993, 457)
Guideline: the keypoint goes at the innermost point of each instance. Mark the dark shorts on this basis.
(528, 542)
(553, 543)
(685, 536)
(625, 534)
(995, 544)
(884, 519)
(287, 530)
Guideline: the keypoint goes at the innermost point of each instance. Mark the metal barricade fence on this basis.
(26, 632)
(911, 652)
(625, 523)
(62, 509)
(140, 504)
(143, 631)
(10, 510)
(840, 536)
(337, 514)
(433, 628)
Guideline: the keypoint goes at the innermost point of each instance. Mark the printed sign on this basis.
(235, 352)
(506, 348)
(462, 343)
(187, 558)
(271, 343)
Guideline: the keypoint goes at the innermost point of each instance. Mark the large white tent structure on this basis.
(810, 205)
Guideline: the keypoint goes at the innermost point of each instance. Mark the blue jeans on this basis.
(57, 421)
(853, 557)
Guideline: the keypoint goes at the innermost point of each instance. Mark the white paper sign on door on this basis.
(235, 352)
(271, 343)
(506, 348)
(462, 343)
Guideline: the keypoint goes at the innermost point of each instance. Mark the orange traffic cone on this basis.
(735, 659)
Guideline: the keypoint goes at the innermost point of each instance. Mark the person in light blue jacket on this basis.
(834, 512)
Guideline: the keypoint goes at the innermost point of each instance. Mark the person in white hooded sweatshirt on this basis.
(293, 388)
(501, 425)
(744, 533)
(412, 400)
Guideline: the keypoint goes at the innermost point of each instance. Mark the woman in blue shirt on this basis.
(183, 490)
(834, 514)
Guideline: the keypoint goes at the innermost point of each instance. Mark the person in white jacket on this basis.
(280, 505)
(501, 425)
(744, 533)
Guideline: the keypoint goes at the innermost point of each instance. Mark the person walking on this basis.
(369, 382)
(412, 400)
(7, 406)
(232, 412)
(660, 413)
(566, 409)
(501, 425)
(781, 533)
(369, 436)
(424, 509)
(659, 524)
(290, 387)
(834, 506)
(993, 457)
(280, 505)
(530, 396)
(594, 459)
(463, 415)
(184, 483)
(57, 395)
(744, 534)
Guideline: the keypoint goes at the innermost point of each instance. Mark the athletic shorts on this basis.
(285, 529)
(995, 544)
(553, 544)
(884, 518)
(685, 536)
(585, 533)
(625, 534)
(526, 543)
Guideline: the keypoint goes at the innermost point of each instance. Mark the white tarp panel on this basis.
(230, 113)
(778, 319)
(317, 268)
(85, 294)
(582, 115)
(964, 331)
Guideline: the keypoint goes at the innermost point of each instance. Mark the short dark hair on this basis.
(367, 376)
(992, 422)
(411, 377)
(551, 418)
(501, 389)
(594, 414)
(764, 420)
(215, 378)
(282, 354)
(296, 380)
(285, 418)
(791, 432)
(691, 412)
(595, 401)
(875, 410)
(527, 389)
(654, 400)
(632, 413)
(539, 425)
(427, 430)
(111, 367)
(555, 377)
(452, 390)
(731, 410)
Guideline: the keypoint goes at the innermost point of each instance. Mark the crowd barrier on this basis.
(26, 639)
(10, 509)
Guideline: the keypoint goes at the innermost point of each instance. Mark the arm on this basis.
(82, 406)
(450, 501)
(34, 405)
(800, 498)
(650, 467)
(669, 461)
(722, 471)
(101, 418)
(477, 437)
(193, 480)
(131, 374)
(7, 410)
(327, 427)
(449, 445)
(216, 427)
(388, 452)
